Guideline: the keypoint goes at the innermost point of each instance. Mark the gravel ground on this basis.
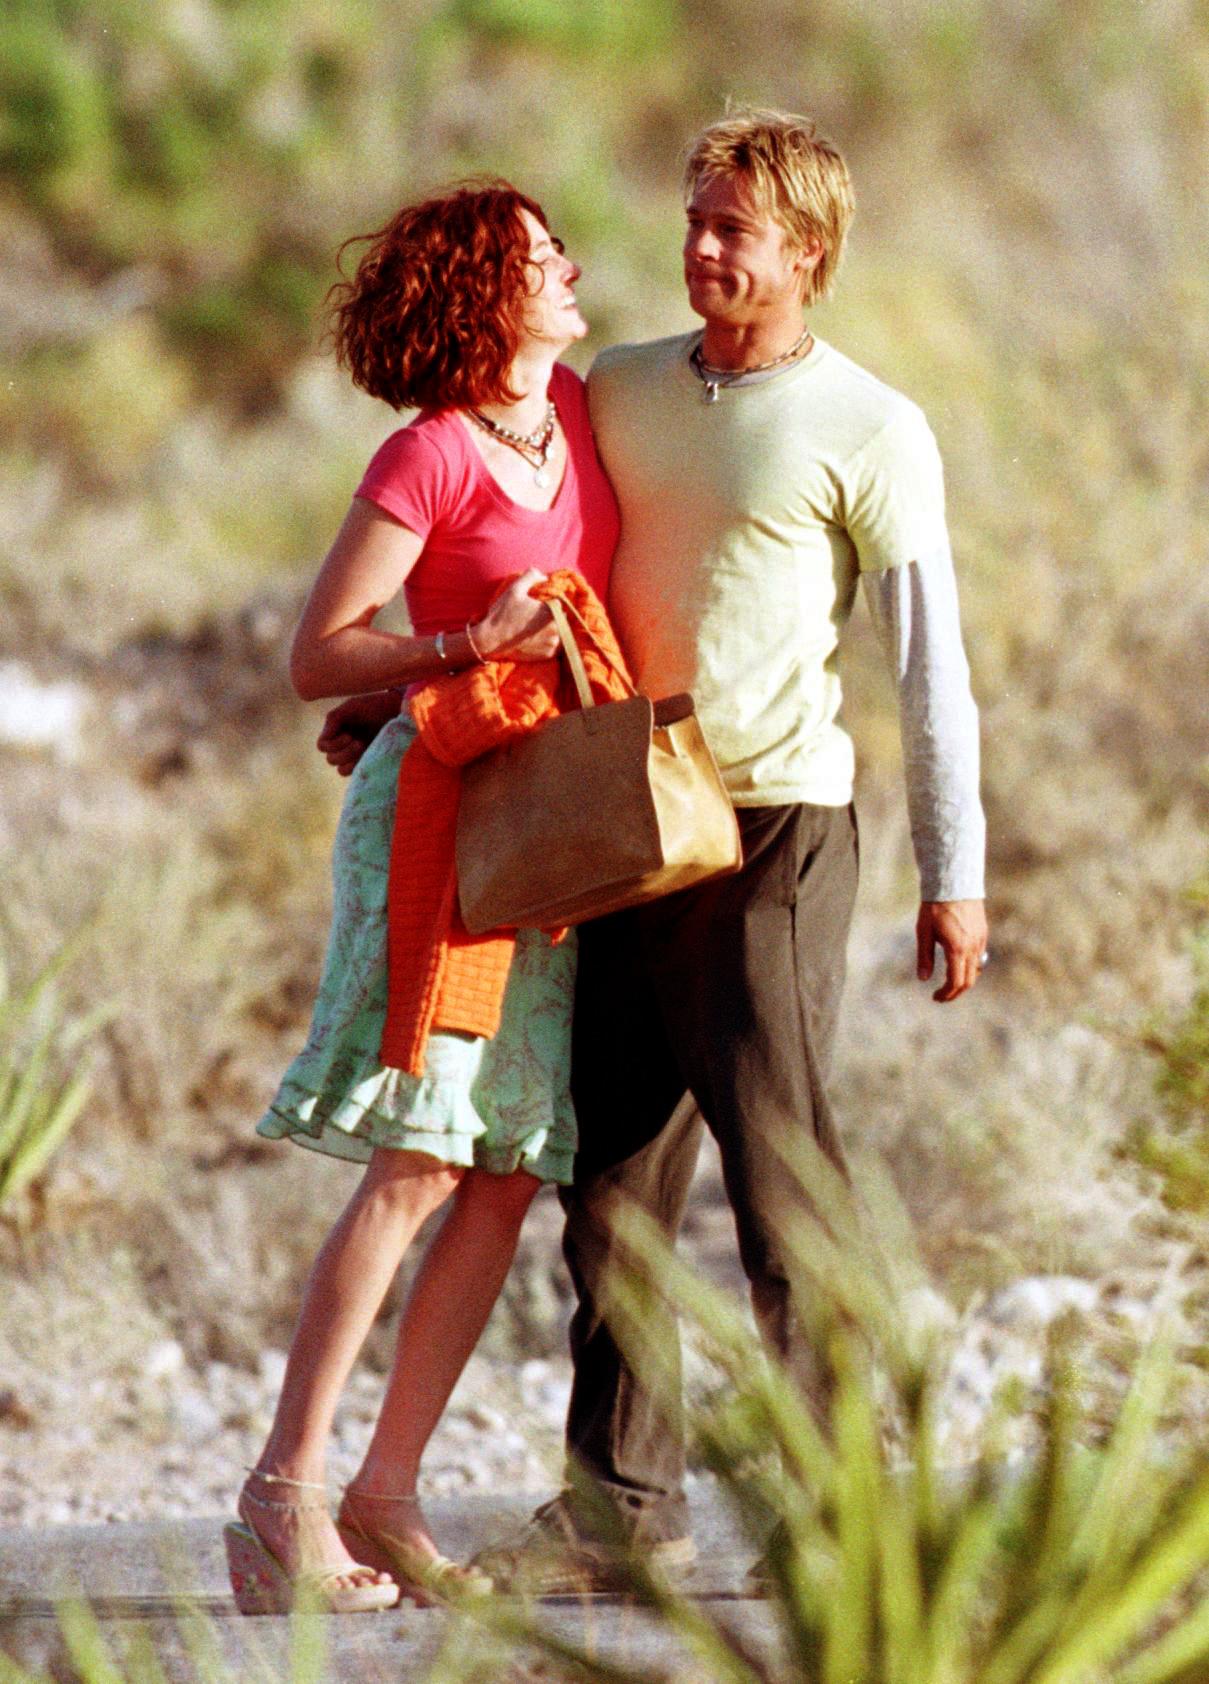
(156, 1437)
(172, 1442)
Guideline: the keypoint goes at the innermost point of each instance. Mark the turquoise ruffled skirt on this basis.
(499, 1104)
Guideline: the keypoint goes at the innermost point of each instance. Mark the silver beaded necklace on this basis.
(527, 445)
(714, 379)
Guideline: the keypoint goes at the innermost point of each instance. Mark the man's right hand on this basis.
(959, 928)
(350, 727)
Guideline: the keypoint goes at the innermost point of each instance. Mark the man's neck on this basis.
(749, 344)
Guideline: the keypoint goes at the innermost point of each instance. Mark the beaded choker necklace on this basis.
(713, 379)
(534, 447)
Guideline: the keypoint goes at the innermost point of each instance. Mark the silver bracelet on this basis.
(439, 645)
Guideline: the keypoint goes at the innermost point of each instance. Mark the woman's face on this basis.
(551, 313)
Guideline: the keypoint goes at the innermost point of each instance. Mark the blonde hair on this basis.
(796, 176)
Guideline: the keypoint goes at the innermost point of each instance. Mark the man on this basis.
(759, 474)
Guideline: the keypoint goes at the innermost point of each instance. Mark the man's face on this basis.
(738, 263)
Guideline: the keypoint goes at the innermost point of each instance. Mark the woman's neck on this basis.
(529, 376)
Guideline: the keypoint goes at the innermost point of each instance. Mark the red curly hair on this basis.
(434, 315)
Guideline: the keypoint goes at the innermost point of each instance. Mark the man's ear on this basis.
(809, 255)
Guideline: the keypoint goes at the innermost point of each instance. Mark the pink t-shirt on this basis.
(430, 476)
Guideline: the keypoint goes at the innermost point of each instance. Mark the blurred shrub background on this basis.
(1027, 262)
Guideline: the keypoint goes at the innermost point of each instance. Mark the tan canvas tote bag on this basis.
(606, 806)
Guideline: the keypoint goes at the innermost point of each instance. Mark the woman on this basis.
(460, 308)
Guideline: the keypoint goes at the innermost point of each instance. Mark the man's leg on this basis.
(639, 1138)
(742, 977)
(734, 988)
(748, 971)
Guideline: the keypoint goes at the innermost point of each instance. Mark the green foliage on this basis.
(227, 150)
(1183, 1081)
(54, 111)
(572, 26)
(1180, 1149)
(38, 1107)
(1083, 1565)
(126, 1654)
(223, 151)
(172, 141)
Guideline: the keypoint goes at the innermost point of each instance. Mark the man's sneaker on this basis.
(551, 1557)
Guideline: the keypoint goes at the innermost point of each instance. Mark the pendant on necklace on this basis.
(711, 391)
(541, 477)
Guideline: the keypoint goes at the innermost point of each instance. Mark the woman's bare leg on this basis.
(451, 1298)
(347, 1285)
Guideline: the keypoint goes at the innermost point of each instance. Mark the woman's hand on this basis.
(515, 627)
(349, 728)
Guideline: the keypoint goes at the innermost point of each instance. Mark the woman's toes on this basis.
(371, 1576)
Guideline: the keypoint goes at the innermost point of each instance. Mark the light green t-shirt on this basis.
(745, 525)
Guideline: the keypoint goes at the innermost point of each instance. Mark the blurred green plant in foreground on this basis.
(38, 1107)
(1080, 1565)
(1084, 1564)
(91, 1658)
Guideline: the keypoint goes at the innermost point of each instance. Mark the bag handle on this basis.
(560, 609)
(558, 613)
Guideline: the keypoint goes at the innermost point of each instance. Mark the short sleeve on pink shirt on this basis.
(429, 476)
(410, 478)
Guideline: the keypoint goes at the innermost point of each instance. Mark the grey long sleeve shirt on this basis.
(914, 610)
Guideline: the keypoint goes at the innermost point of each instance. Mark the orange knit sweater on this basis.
(440, 976)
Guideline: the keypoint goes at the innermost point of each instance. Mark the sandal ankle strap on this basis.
(297, 1507)
(280, 1479)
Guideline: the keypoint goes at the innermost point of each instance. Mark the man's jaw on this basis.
(704, 278)
(709, 295)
